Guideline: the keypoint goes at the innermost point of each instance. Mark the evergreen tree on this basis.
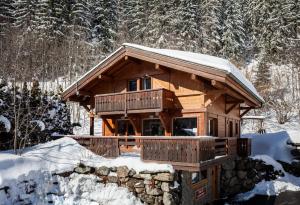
(137, 21)
(263, 77)
(105, 24)
(6, 16)
(187, 25)
(211, 27)
(233, 38)
(159, 25)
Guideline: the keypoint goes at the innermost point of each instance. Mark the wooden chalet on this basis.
(172, 106)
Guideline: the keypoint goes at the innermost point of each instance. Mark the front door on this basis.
(153, 127)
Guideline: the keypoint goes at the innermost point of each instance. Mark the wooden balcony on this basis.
(184, 153)
(134, 102)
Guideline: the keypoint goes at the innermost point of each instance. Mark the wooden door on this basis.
(215, 182)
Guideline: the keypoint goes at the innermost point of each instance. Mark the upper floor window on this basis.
(146, 83)
(132, 85)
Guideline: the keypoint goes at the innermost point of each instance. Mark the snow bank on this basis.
(6, 123)
(271, 144)
(274, 187)
(64, 155)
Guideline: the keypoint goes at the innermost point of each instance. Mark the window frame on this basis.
(174, 118)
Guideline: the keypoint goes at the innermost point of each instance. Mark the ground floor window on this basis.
(185, 126)
(213, 126)
(153, 127)
(125, 128)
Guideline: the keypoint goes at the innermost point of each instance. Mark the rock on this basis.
(113, 169)
(153, 191)
(233, 181)
(229, 165)
(139, 184)
(228, 174)
(82, 169)
(241, 174)
(112, 179)
(104, 171)
(158, 200)
(122, 171)
(165, 186)
(139, 190)
(149, 182)
(164, 177)
(123, 179)
(146, 198)
(143, 176)
(168, 199)
(131, 172)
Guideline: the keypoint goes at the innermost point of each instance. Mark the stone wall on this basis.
(242, 174)
(85, 184)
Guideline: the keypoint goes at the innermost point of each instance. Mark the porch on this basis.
(183, 153)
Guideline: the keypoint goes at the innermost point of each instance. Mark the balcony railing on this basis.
(134, 102)
(186, 153)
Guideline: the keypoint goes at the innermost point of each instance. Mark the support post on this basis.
(92, 120)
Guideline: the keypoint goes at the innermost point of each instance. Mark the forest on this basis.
(58, 40)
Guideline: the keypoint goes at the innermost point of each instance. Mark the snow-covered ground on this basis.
(270, 147)
(37, 164)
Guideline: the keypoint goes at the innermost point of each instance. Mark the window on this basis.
(230, 129)
(213, 127)
(153, 127)
(236, 128)
(146, 83)
(198, 176)
(185, 127)
(125, 128)
(132, 85)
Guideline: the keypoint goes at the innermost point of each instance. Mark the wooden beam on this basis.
(230, 108)
(166, 120)
(194, 77)
(85, 107)
(245, 112)
(126, 57)
(156, 66)
(104, 77)
(83, 93)
(217, 84)
(213, 97)
(136, 123)
(109, 126)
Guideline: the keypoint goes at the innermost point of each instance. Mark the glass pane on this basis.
(153, 127)
(125, 128)
(132, 85)
(213, 127)
(146, 83)
(185, 127)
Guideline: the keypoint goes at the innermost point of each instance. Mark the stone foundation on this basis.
(242, 174)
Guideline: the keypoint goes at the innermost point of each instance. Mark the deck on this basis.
(154, 100)
(184, 153)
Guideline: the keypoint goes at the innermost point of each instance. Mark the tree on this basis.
(6, 16)
(187, 25)
(211, 27)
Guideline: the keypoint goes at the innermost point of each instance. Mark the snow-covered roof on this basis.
(211, 62)
(217, 63)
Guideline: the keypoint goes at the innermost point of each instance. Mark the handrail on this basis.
(129, 92)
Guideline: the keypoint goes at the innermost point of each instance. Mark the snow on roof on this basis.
(206, 60)
(259, 117)
(6, 123)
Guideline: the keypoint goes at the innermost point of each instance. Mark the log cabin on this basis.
(174, 107)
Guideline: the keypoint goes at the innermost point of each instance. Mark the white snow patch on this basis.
(64, 155)
(39, 123)
(271, 144)
(6, 123)
(286, 183)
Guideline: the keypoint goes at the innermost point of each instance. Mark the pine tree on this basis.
(159, 26)
(263, 77)
(211, 27)
(105, 24)
(6, 16)
(233, 37)
(187, 25)
(138, 20)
